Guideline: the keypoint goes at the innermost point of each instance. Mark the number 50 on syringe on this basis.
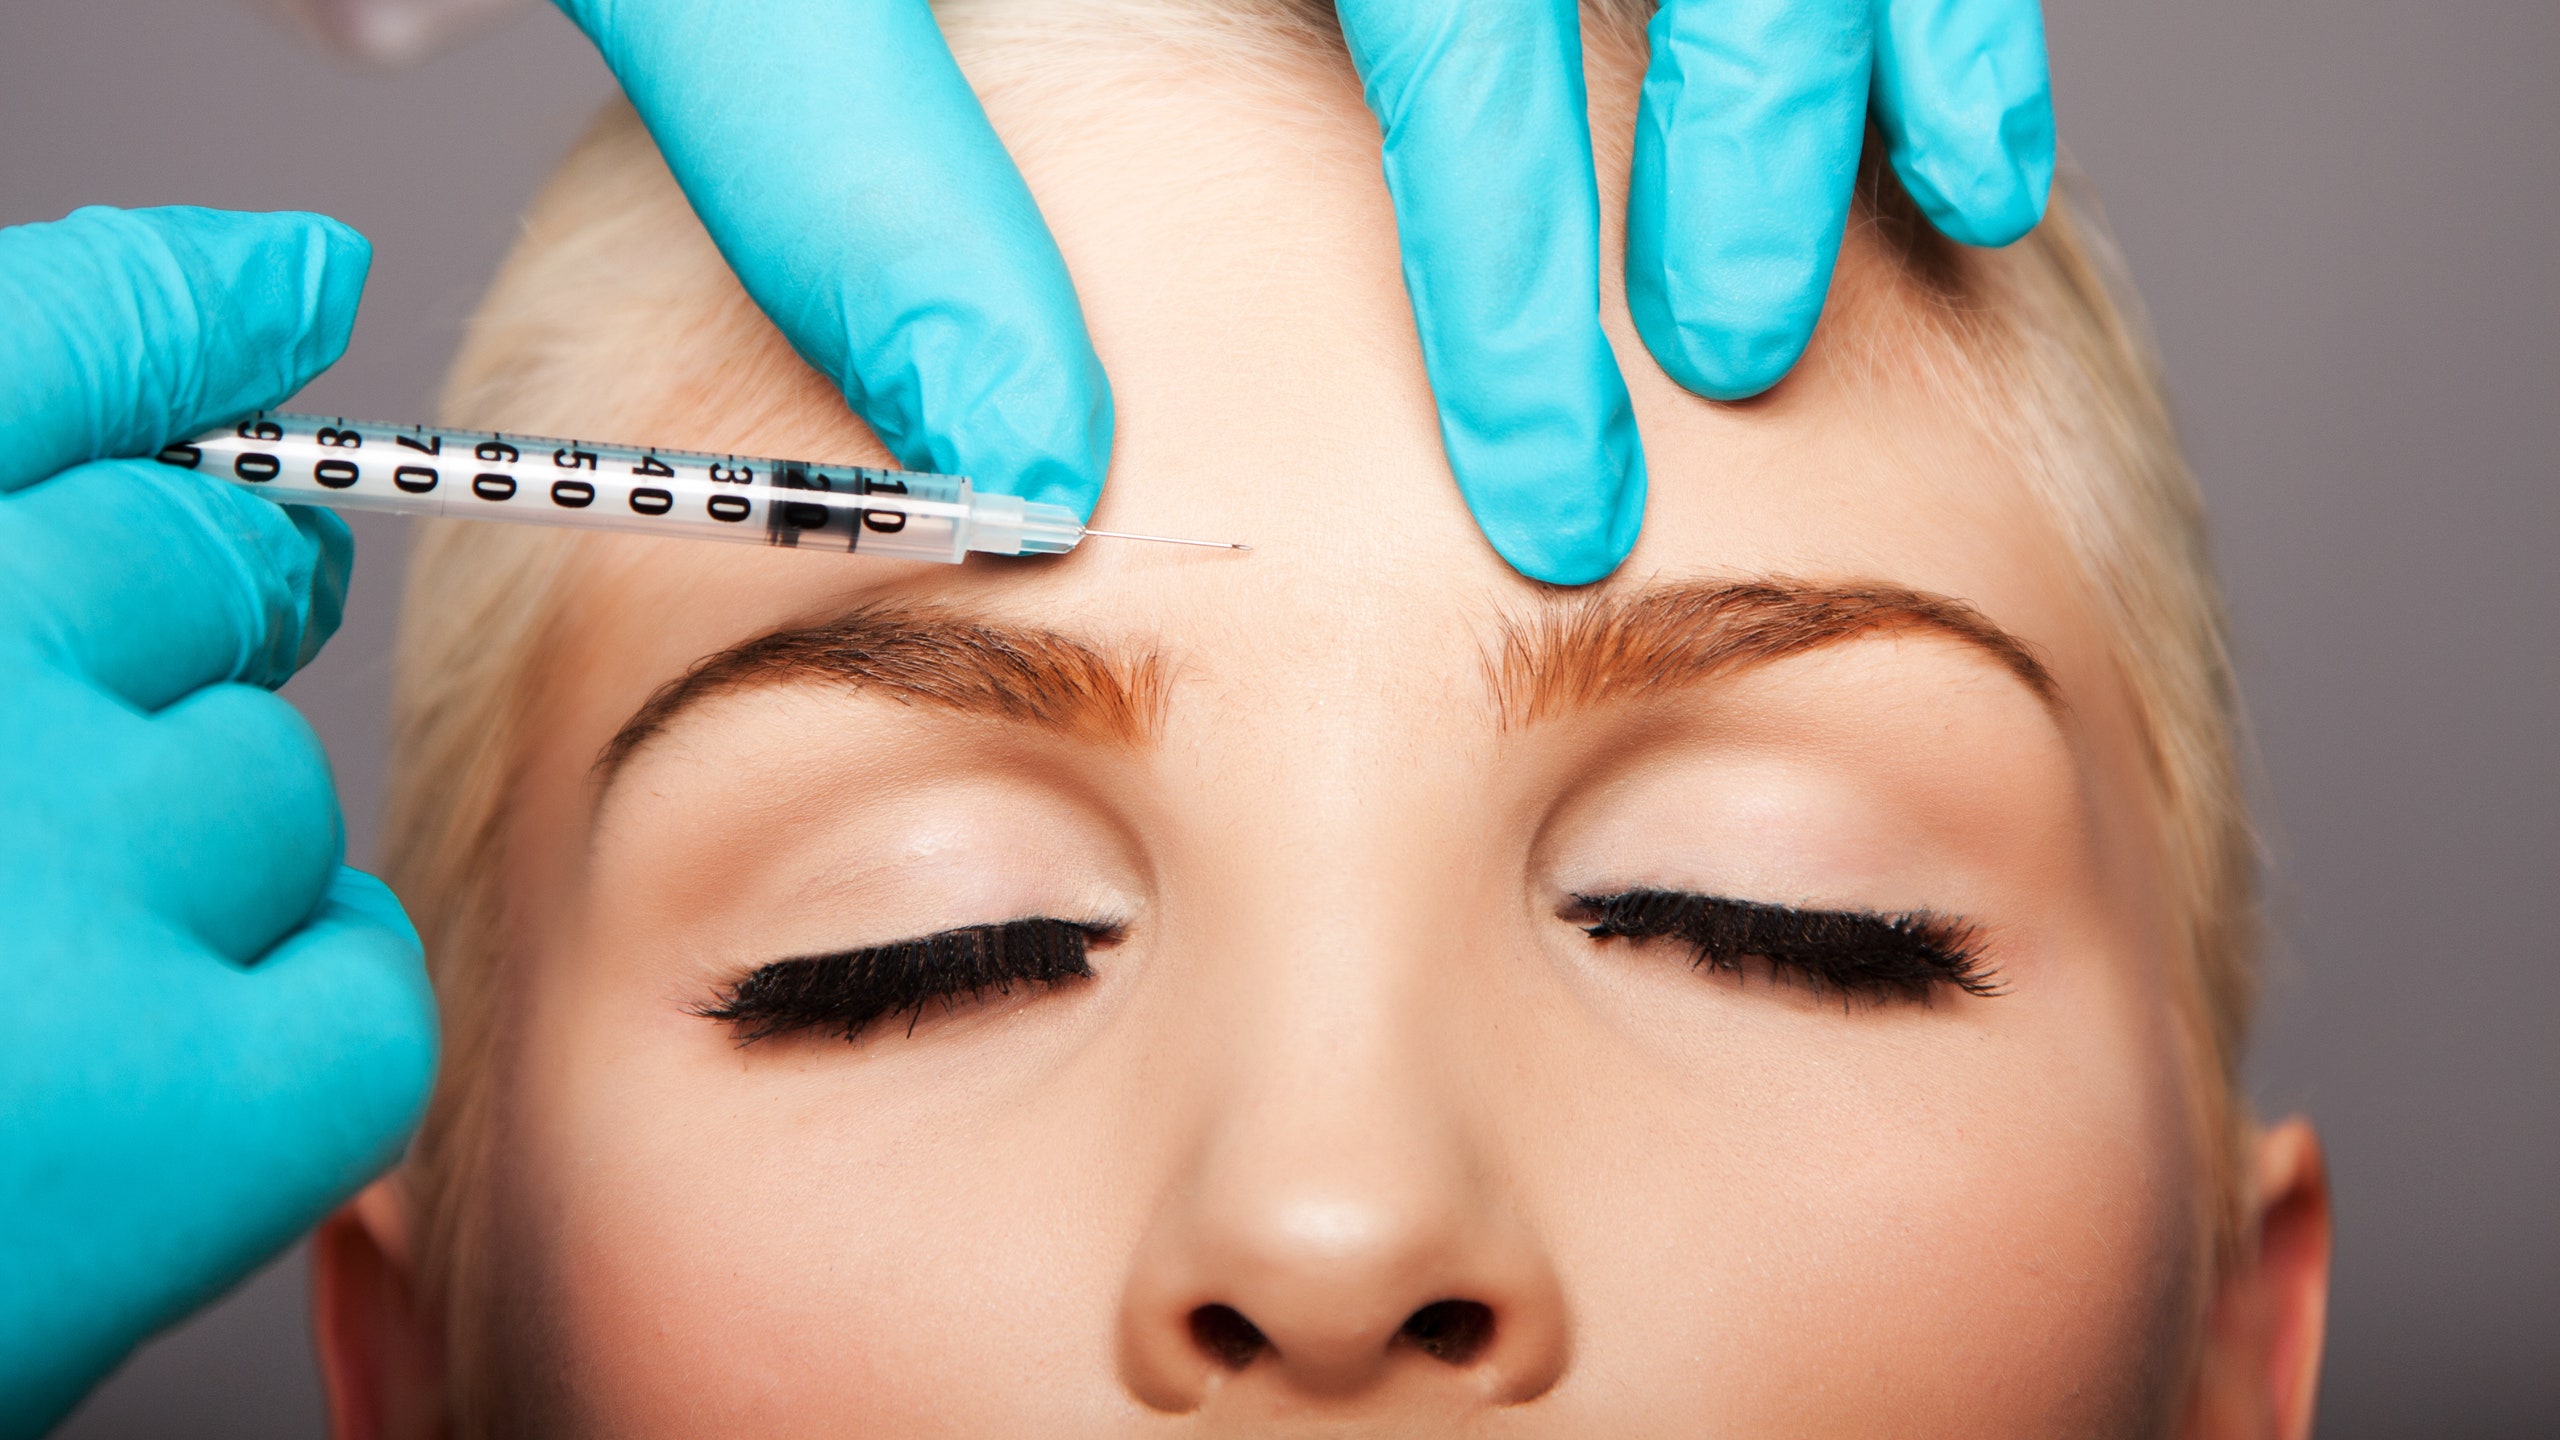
(491, 475)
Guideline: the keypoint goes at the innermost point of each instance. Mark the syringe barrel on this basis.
(489, 475)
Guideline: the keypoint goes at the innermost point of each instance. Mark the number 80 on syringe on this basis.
(490, 475)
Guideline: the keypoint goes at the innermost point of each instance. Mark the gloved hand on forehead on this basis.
(214, 1031)
(839, 159)
(1746, 151)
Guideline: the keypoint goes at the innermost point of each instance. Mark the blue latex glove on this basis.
(843, 166)
(214, 1031)
(1746, 149)
(887, 233)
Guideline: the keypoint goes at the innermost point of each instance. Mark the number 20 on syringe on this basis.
(483, 474)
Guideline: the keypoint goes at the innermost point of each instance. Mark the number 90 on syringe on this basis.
(491, 475)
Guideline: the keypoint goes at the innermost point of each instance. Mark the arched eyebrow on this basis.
(1020, 674)
(1583, 650)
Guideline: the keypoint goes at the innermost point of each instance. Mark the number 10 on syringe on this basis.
(490, 475)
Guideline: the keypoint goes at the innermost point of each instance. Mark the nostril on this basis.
(1229, 1338)
(1453, 1330)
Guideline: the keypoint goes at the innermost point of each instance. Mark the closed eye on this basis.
(846, 992)
(1852, 952)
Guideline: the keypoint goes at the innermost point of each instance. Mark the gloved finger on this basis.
(123, 329)
(1963, 98)
(324, 1051)
(1488, 158)
(344, 997)
(244, 834)
(1746, 152)
(155, 582)
(840, 160)
(335, 1040)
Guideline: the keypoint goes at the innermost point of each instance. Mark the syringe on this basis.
(489, 475)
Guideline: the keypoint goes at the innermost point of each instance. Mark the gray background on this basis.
(2340, 214)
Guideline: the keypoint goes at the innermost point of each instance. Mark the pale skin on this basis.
(1351, 1052)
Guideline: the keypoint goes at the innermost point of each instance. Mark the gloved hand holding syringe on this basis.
(581, 485)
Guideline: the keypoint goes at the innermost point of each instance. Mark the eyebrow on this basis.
(1588, 650)
(1020, 674)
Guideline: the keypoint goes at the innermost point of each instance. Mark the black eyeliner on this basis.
(847, 991)
(1855, 952)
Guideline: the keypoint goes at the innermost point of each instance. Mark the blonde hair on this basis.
(2041, 343)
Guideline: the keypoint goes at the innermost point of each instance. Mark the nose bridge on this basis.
(1341, 1219)
(1339, 1136)
(1337, 1163)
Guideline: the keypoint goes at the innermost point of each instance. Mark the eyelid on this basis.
(846, 992)
(1902, 956)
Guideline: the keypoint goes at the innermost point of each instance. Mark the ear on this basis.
(2260, 1371)
(381, 1354)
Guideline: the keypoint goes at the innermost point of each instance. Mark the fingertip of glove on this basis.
(289, 566)
(336, 262)
(1544, 557)
(1730, 361)
(401, 1044)
(1063, 464)
(284, 285)
(1982, 166)
(152, 324)
(1999, 206)
(1570, 535)
(1734, 336)
(1048, 481)
(320, 261)
(373, 903)
(324, 597)
(1562, 567)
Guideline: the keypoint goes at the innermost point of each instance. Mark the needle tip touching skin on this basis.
(1166, 540)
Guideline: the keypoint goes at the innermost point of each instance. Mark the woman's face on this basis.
(1460, 1019)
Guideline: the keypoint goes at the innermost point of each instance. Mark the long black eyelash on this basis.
(1896, 956)
(847, 992)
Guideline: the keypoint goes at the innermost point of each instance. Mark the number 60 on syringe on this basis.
(491, 475)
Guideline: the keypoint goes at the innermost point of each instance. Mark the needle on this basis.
(1166, 540)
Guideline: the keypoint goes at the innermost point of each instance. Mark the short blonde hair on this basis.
(2040, 343)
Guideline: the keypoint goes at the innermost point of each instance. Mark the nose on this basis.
(1333, 1242)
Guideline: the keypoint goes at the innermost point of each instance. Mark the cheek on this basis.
(764, 1254)
(1971, 1233)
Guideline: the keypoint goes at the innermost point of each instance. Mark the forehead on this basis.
(1368, 581)
(1243, 288)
